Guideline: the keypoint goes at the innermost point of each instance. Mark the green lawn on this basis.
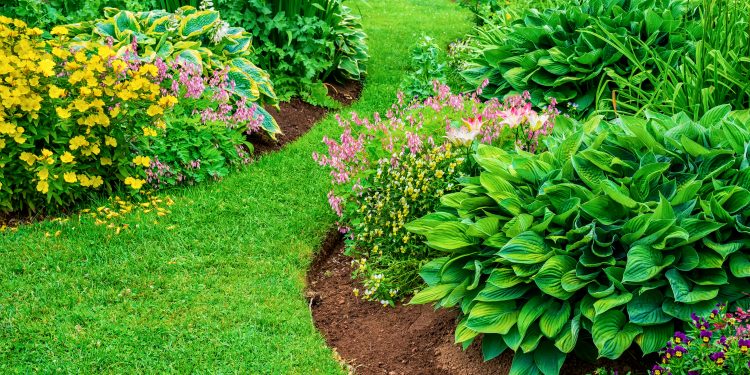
(215, 286)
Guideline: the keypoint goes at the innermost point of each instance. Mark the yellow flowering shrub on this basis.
(71, 120)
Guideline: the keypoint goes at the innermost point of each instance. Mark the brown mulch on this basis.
(297, 117)
(406, 339)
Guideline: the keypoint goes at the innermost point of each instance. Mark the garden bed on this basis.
(407, 339)
(296, 117)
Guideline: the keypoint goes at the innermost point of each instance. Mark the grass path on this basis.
(222, 291)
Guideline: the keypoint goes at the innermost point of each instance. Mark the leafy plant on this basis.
(427, 66)
(189, 36)
(612, 237)
(714, 71)
(550, 53)
(388, 171)
(303, 43)
(491, 11)
(718, 343)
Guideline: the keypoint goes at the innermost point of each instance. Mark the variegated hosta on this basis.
(197, 37)
(620, 230)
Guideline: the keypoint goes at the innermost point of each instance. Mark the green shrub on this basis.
(550, 53)
(191, 36)
(503, 10)
(614, 235)
(427, 66)
(48, 13)
(302, 43)
(715, 71)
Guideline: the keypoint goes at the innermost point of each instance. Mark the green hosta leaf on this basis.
(654, 338)
(463, 333)
(531, 339)
(612, 334)
(492, 293)
(609, 302)
(686, 293)
(531, 311)
(513, 339)
(617, 195)
(549, 278)
(588, 172)
(518, 225)
(450, 236)
(198, 23)
(526, 248)
(523, 364)
(554, 318)
(682, 311)
(492, 346)
(432, 293)
(427, 223)
(548, 358)
(646, 309)
(697, 229)
(430, 272)
(571, 282)
(484, 227)
(568, 337)
(124, 23)
(504, 278)
(644, 263)
(269, 123)
(492, 317)
(739, 264)
(724, 249)
(604, 210)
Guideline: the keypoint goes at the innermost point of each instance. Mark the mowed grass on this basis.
(217, 285)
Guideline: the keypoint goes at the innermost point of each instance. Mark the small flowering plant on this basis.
(716, 344)
(386, 172)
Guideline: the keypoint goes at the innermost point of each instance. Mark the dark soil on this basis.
(297, 117)
(373, 339)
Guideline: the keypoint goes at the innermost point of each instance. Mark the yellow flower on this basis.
(42, 186)
(80, 56)
(154, 110)
(105, 161)
(167, 101)
(70, 177)
(85, 181)
(78, 141)
(67, 157)
(115, 111)
(43, 174)
(96, 181)
(59, 30)
(28, 158)
(56, 92)
(60, 53)
(105, 52)
(62, 113)
(2, 144)
(135, 183)
(142, 160)
(81, 105)
(148, 132)
(148, 69)
(47, 67)
(109, 141)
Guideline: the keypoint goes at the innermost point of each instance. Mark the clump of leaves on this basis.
(550, 53)
(612, 236)
(303, 43)
(427, 66)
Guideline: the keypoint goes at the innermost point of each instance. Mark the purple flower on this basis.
(706, 335)
(723, 340)
(744, 345)
(657, 370)
(714, 314)
(693, 372)
(717, 357)
(695, 318)
(679, 351)
(680, 337)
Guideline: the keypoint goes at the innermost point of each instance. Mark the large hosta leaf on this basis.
(554, 318)
(450, 236)
(686, 293)
(613, 334)
(549, 278)
(654, 338)
(492, 317)
(526, 248)
(644, 263)
(646, 309)
(739, 264)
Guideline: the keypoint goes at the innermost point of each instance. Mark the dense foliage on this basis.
(717, 343)
(74, 121)
(427, 66)
(388, 171)
(552, 54)
(302, 43)
(188, 36)
(715, 71)
(617, 232)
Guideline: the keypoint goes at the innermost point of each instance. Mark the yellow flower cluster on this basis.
(70, 115)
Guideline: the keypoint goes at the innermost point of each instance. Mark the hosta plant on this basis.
(550, 54)
(189, 36)
(387, 171)
(612, 236)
